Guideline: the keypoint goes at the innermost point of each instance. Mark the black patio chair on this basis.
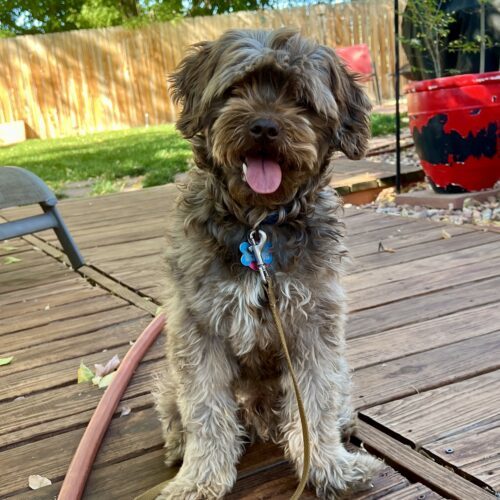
(19, 187)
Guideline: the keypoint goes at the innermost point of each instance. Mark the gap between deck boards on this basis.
(97, 276)
(418, 465)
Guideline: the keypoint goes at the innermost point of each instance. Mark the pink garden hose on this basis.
(81, 465)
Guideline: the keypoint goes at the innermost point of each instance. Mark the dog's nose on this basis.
(264, 128)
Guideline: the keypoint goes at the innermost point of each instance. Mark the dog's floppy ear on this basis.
(188, 83)
(353, 110)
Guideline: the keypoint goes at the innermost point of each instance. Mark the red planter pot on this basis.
(455, 123)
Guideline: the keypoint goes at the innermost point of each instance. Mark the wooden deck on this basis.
(423, 337)
(352, 177)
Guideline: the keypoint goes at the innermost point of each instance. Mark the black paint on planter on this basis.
(434, 145)
(449, 189)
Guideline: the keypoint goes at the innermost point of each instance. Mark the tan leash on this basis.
(152, 493)
(303, 420)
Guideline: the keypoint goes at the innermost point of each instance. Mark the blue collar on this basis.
(273, 217)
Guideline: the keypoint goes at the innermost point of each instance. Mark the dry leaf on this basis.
(85, 374)
(10, 260)
(382, 248)
(125, 410)
(445, 235)
(35, 482)
(105, 381)
(6, 361)
(110, 366)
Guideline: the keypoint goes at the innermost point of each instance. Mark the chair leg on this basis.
(67, 242)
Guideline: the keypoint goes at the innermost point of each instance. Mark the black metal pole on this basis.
(396, 89)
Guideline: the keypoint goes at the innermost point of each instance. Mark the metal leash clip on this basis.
(257, 248)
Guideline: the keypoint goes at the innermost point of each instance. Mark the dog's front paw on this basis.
(348, 472)
(185, 489)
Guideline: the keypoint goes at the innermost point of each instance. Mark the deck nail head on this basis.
(449, 451)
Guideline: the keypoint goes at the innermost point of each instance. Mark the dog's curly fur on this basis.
(226, 380)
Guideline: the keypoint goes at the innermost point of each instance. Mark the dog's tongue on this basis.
(263, 175)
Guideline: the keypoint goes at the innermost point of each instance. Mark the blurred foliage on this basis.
(385, 123)
(432, 31)
(21, 17)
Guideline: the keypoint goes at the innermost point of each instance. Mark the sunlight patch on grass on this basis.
(156, 152)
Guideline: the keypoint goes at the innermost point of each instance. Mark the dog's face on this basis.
(266, 110)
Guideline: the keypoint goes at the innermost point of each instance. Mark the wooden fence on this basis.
(103, 79)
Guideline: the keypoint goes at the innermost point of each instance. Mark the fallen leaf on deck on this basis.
(85, 374)
(110, 366)
(125, 411)
(6, 361)
(105, 381)
(6, 248)
(96, 380)
(35, 482)
(10, 260)
(445, 235)
(381, 248)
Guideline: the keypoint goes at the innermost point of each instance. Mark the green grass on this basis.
(157, 153)
(384, 124)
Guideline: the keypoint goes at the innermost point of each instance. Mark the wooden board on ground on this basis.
(458, 424)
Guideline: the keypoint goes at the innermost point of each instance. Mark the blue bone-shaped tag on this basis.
(248, 258)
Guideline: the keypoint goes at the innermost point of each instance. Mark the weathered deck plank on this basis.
(458, 424)
(475, 453)
(420, 285)
(443, 412)
(423, 336)
(361, 279)
(419, 309)
(438, 478)
(426, 370)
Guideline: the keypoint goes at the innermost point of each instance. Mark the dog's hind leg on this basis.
(166, 405)
(322, 379)
(208, 409)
